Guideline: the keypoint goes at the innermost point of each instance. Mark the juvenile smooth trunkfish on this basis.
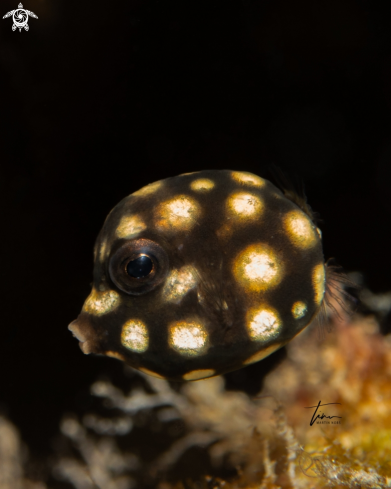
(202, 274)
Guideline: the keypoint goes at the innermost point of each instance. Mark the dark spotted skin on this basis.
(179, 225)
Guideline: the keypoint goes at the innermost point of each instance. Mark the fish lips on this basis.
(82, 330)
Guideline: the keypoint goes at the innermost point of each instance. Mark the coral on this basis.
(266, 441)
(12, 458)
(198, 435)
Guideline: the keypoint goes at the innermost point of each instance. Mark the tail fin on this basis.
(340, 299)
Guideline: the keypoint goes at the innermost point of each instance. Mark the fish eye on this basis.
(138, 266)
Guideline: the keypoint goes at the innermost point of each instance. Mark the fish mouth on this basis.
(74, 327)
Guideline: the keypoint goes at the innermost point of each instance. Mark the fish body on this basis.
(202, 274)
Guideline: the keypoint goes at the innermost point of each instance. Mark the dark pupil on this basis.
(140, 267)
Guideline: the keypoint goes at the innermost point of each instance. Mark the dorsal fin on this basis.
(293, 190)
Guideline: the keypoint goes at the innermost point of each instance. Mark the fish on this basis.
(203, 273)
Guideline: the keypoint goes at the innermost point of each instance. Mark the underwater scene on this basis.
(195, 274)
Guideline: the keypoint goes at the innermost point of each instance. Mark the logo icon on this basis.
(20, 17)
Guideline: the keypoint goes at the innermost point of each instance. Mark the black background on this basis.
(100, 98)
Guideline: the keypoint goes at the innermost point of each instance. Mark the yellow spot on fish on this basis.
(99, 303)
(248, 178)
(130, 227)
(263, 324)
(149, 189)
(262, 354)
(103, 249)
(188, 337)
(258, 267)
(244, 205)
(319, 282)
(103, 286)
(135, 335)
(179, 214)
(299, 309)
(149, 372)
(199, 374)
(300, 229)
(179, 283)
(114, 354)
(202, 184)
